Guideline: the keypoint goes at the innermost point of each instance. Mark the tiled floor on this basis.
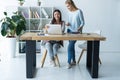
(15, 68)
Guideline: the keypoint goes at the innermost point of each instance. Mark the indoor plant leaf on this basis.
(14, 25)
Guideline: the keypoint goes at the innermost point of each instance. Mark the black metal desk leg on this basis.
(30, 58)
(92, 58)
(89, 55)
(95, 58)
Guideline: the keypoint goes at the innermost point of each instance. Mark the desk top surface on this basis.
(84, 36)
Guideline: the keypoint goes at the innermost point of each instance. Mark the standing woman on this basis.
(52, 46)
(75, 25)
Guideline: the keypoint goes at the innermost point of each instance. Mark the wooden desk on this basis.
(93, 43)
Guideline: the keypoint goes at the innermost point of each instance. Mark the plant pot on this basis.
(10, 48)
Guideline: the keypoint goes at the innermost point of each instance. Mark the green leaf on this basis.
(4, 26)
(5, 13)
(3, 32)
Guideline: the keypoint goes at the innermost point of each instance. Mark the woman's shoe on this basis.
(52, 62)
(69, 66)
(73, 63)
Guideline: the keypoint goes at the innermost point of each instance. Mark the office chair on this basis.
(83, 46)
(44, 57)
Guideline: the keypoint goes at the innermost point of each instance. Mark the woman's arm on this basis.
(81, 20)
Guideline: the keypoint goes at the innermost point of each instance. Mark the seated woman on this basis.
(52, 46)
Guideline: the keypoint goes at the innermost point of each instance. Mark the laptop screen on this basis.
(54, 29)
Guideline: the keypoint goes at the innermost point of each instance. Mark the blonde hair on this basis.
(71, 3)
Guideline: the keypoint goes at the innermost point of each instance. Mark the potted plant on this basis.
(21, 2)
(11, 27)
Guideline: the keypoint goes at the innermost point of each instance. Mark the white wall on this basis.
(98, 14)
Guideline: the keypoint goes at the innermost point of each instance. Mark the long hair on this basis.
(54, 20)
(71, 3)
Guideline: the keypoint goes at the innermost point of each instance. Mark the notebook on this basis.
(54, 29)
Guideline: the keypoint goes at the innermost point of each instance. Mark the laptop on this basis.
(54, 29)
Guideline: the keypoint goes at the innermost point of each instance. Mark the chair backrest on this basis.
(84, 45)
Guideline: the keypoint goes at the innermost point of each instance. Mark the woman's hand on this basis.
(80, 28)
(46, 28)
(67, 24)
